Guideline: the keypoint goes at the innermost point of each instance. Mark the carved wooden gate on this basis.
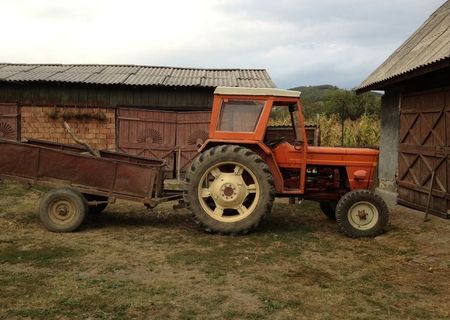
(148, 133)
(9, 121)
(424, 148)
(162, 134)
(192, 131)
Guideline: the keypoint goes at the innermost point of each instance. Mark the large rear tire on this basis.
(229, 189)
(63, 210)
(362, 213)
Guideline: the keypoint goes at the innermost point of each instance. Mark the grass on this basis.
(47, 256)
(130, 264)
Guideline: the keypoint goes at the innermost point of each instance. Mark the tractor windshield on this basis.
(239, 115)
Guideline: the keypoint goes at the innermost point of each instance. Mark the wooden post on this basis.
(178, 164)
(430, 192)
(91, 150)
(342, 125)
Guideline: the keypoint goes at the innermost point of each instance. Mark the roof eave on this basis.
(381, 85)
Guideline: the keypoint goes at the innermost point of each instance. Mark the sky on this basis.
(299, 42)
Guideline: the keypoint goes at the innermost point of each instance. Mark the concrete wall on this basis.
(388, 165)
(37, 123)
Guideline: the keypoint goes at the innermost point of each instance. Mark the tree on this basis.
(349, 105)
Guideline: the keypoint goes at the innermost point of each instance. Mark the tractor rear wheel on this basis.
(362, 213)
(229, 189)
(329, 209)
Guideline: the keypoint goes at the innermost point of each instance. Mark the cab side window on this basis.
(283, 125)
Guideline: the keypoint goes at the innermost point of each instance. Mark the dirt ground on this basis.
(127, 263)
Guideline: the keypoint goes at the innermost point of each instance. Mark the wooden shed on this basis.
(144, 110)
(415, 117)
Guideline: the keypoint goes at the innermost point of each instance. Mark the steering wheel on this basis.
(274, 143)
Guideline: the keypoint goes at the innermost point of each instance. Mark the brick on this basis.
(100, 136)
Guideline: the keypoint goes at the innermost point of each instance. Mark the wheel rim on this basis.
(229, 192)
(363, 215)
(62, 211)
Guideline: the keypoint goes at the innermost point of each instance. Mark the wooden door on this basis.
(447, 125)
(148, 133)
(9, 121)
(192, 131)
(424, 148)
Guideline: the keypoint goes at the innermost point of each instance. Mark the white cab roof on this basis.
(257, 92)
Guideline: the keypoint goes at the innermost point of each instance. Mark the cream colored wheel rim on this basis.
(62, 212)
(363, 215)
(228, 192)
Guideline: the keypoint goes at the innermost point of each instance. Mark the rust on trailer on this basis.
(113, 175)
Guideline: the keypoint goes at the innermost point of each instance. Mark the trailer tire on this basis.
(95, 209)
(329, 209)
(63, 210)
(240, 190)
(362, 213)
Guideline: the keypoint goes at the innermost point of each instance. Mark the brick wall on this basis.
(36, 123)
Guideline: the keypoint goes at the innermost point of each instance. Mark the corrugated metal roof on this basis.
(428, 45)
(135, 75)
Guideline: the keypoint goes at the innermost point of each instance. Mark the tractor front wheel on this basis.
(229, 189)
(362, 213)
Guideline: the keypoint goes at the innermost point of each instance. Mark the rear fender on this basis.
(260, 149)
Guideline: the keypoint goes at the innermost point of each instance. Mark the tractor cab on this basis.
(253, 114)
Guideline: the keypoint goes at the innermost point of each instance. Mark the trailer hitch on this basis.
(156, 201)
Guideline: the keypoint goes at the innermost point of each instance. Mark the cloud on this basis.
(299, 42)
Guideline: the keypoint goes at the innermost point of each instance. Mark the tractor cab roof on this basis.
(257, 92)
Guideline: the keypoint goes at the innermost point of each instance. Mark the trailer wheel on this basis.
(95, 209)
(229, 189)
(329, 209)
(362, 213)
(62, 210)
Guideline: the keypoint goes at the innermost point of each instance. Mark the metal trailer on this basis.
(81, 181)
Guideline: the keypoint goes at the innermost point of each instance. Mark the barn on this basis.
(150, 111)
(415, 117)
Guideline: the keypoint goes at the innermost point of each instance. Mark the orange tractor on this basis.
(232, 183)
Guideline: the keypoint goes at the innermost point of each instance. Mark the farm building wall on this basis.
(415, 141)
(83, 95)
(28, 112)
(388, 162)
(46, 123)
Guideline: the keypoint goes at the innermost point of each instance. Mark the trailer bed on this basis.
(113, 175)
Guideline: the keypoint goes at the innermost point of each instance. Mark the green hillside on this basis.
(328, 99)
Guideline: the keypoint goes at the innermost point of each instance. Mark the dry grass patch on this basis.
(128, 263)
